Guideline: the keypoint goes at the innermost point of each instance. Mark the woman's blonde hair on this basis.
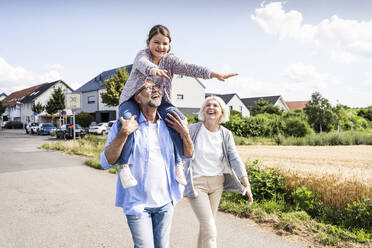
(225, 111)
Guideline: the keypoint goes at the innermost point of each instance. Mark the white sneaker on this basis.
(126, 178)
(180, 174)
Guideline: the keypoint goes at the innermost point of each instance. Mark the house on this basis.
(41, 95)
(91, 100)
(234, 102)
(2, 96)
(275, 100)
(19, 103)
(297, 104)
(13, 102)
(188, 94)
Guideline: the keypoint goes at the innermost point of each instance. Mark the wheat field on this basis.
(340, 174)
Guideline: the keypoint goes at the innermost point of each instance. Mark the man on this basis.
(149, 205)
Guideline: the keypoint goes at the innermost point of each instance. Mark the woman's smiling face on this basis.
(212, 111)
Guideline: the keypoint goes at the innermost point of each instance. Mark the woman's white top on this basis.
(156, 180)
(208, 153)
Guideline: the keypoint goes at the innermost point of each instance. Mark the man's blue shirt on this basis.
(133, 200)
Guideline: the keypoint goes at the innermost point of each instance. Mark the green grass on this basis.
(243, 141)
(327, 139)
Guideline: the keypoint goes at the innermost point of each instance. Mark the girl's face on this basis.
(159, 46)
(212, 111)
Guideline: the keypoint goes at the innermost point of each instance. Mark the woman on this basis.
(215, 167)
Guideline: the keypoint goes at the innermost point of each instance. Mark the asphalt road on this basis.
(50, 199)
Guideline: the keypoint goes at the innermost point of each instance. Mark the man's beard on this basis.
(154, 103)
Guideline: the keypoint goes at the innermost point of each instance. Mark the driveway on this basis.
(50, 199)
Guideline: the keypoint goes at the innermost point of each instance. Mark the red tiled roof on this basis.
(296, 104)
(17, 96)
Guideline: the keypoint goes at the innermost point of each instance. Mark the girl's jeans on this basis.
(129, 108)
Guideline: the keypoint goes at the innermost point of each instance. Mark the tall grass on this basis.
(327, 139)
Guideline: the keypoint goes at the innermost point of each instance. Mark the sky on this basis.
(290, 48)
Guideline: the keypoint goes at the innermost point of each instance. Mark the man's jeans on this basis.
(152, 229)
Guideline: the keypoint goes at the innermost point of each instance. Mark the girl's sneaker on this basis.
(126, 178)
(180, 174)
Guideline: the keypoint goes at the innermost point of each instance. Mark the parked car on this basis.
(65, 132)
(4, 123)
(109, 125)
(46, 128)
(100, 128)
(32, 127)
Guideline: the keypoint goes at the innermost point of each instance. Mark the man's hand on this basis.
(160, 73)
(128, 126)
(177, 124)
(222, 77)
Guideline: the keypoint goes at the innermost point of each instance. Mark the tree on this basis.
(56, 102)
(2, 108)
(366, 113)
(38, 108)
(263, 106)
(114, 86)
(84, 119)
(319, 113)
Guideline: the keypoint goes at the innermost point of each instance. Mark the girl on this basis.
(155, 61)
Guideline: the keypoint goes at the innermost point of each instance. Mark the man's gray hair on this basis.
(225, 111)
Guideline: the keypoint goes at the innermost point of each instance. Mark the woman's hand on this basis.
(222, 77)
(160, 73)
(247, 190)
(177, 124)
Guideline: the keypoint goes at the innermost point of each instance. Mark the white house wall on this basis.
(102, 106)
(280, 103)
(238, 105)
(193, 92)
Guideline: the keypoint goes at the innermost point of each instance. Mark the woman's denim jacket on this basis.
(235, 167)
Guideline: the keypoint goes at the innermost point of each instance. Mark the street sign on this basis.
(35, 114)
(72, 101)
(63, 112)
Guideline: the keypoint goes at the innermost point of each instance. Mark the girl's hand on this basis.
(160, 73)
(222, 77)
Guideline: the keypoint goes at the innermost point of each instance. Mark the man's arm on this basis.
(113, 150)
(181, 127)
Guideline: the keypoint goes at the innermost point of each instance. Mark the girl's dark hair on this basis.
(159, 29)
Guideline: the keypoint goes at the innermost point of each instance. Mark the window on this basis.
(231, 107)
(91, 99)
(179, 96)
(241, 108)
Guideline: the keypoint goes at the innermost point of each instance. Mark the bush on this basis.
(305, 199)
(266, 184)
(14, 125)
(359, 214)
(192, 119)
(296, 127)
(84, 119)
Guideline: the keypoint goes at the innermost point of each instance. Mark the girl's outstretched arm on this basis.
(222, 77)
(191, 70)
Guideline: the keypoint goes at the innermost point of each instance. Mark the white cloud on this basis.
(347, 40)
(14, 78)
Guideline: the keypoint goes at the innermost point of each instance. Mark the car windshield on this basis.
(35, 124)
(99, 124)
(78, 126)
(48, 125)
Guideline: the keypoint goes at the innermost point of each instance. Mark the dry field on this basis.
(341, 174)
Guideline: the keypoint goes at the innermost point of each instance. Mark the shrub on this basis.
(14, 125)
(296, 127)
(84, 119)
(305, 199)
(359, 214)
(192, 119)
(265, 183)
